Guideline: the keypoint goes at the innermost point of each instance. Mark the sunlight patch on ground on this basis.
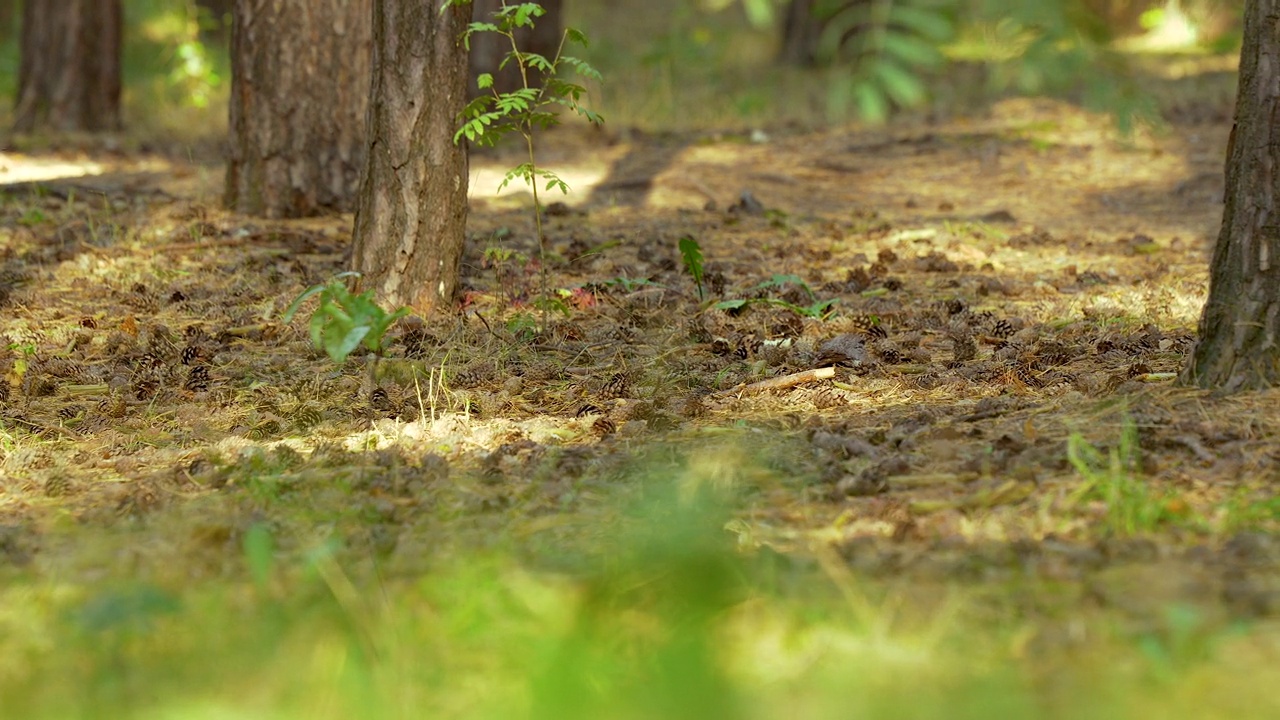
(16, 168)
(485, 180)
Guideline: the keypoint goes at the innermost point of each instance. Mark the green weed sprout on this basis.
(344, 321)
(691, 256)
(1133, 507)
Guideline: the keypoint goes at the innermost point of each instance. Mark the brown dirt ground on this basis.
(1002, 283)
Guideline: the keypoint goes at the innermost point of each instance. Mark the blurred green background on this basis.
(715, 63)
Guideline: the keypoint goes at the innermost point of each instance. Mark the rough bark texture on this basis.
(69, 71)
(1239, 344)
(488, 49)
(412, 210)
(299, 88)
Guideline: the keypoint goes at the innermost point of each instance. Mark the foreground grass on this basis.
(650, 612)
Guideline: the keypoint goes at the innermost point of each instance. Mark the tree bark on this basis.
(801, 30)
(7, 18)
(299, 88)
(488, 49)
(412, 210)
(1239, 345)
(69, 69)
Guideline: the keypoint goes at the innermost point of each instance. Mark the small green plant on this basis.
(1249, 509)
(1132, 506)
(691, 256)
(820, 309)
(491, 116)
(523, 326)
(344, 321)
(32, 217)
(510, 269)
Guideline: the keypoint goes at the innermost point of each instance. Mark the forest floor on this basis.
(1000, 490)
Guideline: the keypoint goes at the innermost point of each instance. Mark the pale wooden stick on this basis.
(780, 383)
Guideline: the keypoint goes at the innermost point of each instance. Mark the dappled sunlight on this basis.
(18, 168)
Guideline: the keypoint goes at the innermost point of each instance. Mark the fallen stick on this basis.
(779, 383)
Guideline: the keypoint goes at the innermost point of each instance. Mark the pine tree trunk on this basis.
(488, 49)
(8, 20)
(69, 71)
(412, 210)
(1239, 345)
(299, 88)
(800, 32)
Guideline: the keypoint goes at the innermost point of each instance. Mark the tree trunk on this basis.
(488, 49)
(299, 88)
(7, 18)
(412, 211)
(69, 71)
(801, 30)
(1239, 344)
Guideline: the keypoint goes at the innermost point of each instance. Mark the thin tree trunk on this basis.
(1239, 344)
(69, 70)
(800, 32)
(8, 18)
(488, 49)
(412, 210)
(299, 88)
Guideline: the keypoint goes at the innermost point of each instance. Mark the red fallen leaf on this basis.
(582, 298)
(469, 298)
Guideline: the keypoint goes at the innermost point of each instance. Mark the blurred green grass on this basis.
(651, 610)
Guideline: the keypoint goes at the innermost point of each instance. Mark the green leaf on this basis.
(552, 304)
(316, 326)
(512, 104)
(730, 304)
(873, 106)
(584, 69)
(538, 62)
(340, 346)
(484, 81)
(779, 280)
(932, 24)
(525, 12)
(691, 254)
(905, 88)
(336, 314)
(575, 36)
(374, 340)
(911, 49)
(297, 302)
(820, 309)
